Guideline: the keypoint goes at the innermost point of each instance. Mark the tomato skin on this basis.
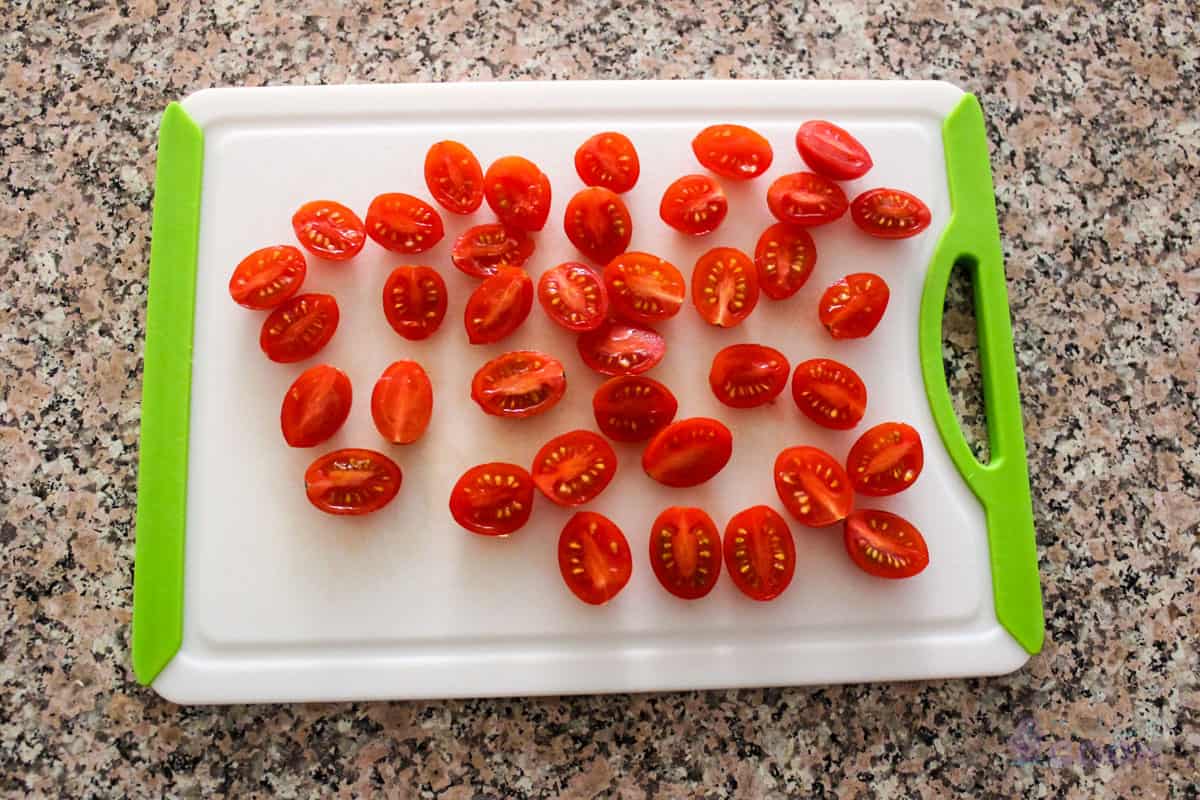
(885, 545)
(402, 402)
(812, 486)
(685, 552)
(492, 499)
(498, 306)
(518, 193)
(632, 408)
(831, 151)
(785, 258)
(748, 375)
(403, 223)
(759, 553)
(829, 393)
(609, 160)
(352, 481)
(483, 249)
(574, 468)
(890, 213)
(886, 459)
(807, 199)
(267, 277)
(852, 307)
(598, 223)
(594, 558)
(299, 328)
(688, 452)
(733, 151)
(643, 287)
(724, 286)
(518, 384)
(694, 204)
(573, 296)
(315, 406)
(329, 230)
(454, 177)
(414, 301)
(621, 348)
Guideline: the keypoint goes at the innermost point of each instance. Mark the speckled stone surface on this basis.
(1092, 113)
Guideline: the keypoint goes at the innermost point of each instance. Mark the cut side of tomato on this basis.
(831, 151)
(829, 393)
(632, 408)
(267, 277)
(329, 230)
(402, 402)
(886, 459)
(594, 557)
(492, 499)
(454, 177)
(805, 198)
(518, 193)
(724, 286)
(813, 486)
(609, 160)
(573, 296)
(785, 257)
(519, 384)
(315, 406)
(688, 452)
(498, 306)
(643, 287)
(598, 224)
(414, 301)
(852, 307)
(403, 223)
(352, 481)
(483, 249)
(759, 553)
(890, 213)
(748, 375)
(621, 348)
(885, 545)
(694, 204)
(685, 552)
(574, 468)
(733, 151)
(299, 328)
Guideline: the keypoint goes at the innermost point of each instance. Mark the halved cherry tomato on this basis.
(886, 459)
(632, 408)
(829, 393)
(518, 193)
(267, 277)
(805, 198)
(890, 213)
(621, 348)
(608, 159)
(594, 557)
(329, 230)
(852, 307)
(598, 223)
(748, 375)
(643, 287)
(785, 258)
(685, 552)
(299, 328)
(733, 151)
(885, 545)
(573, 296)
(813, 486)
(694, 204)
(352, 481)
(414, 301)
(403, 223)
(519, 384)
(572, 469)
(483, 249)
(454, 177)
(315, 406)
(498, 306)
(492, 499)
(831, 151)
(688, 452)
(402, 402)
(759, 552)
(724, 286)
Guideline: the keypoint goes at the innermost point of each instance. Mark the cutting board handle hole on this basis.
(960, 356)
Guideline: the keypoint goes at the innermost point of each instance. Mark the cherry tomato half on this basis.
(886, 459)
(573, 296)
(608, 159)
(694, 204)
(572, 469)
(813, 486)
(724, 286)
(492, 499)
(519, 384)
(748, 375)
(299, 328)
(685, 552)
(454, 177)
(518, 193)
(402, 402)
(352, 482)
(483, 249)
(643, 287)
(403, 223)
(498, 306)
(594, 557)
(885, 545)
(829, 393)
(329, 230)
(414, 301)
(688, 452)
(890, 213)
(805, 198)
(315, 406)
(632, 408)
(852, 307)
(831, 151)
(759, 553)
(621, 348)
(733, 151)
(785, 258)
(267, 277)
(598, 224)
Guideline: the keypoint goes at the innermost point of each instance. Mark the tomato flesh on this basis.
(574, 468)
(299, 328)
(352, 481)
(724, 286)
(813, 486)
(621, 348)
(573, 296)
(805, 198)
(598, 224)
(885, 545)
(454, 177)
(498, 306)
(785, 258)
(643, 287)
(852, 307)
(492, 499)
(831, 151)
(632, 408)
(414, 301)
(267, 277)
(829, 393)
(594, 557)
(694, 204)
(733, 151)
(329, 230)
(759, 553)
(748, 375)
(890, 213)
(519, 384)
(685, 552)
(609, 160)
(518, 193)
(402, 402)
(315, 406)
(403, 223)
(688, 452)
(886, 459)
(482, 250)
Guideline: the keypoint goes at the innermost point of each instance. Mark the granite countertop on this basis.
(1092, 115)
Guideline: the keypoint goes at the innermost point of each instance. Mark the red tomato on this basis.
(609, 160)
(483, 249)
(694, 204)
(852, 307)
(759, 553)
(414, 301)
(733, 151)
(498, 306)
(724, 286)
(329, 230)
(632, 408)
(688, 452)
(805, 198)
(785, 258)
(573, 296)
(813, 486)
(886, 459)
(403, 223)
(299, 328)
(890, 213)
(572, 469)
(454, 177)
(352, 481)
(831, 151)
(519, 384)
(885, 545)
(518, 193)
(598, 224)
(685, 552)
(402, 402)
(748, 375)
(315, 406)
(829, 393)
(621, 348)
(267, 277)
(643, 287)
(594, 557)
(492, 499)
